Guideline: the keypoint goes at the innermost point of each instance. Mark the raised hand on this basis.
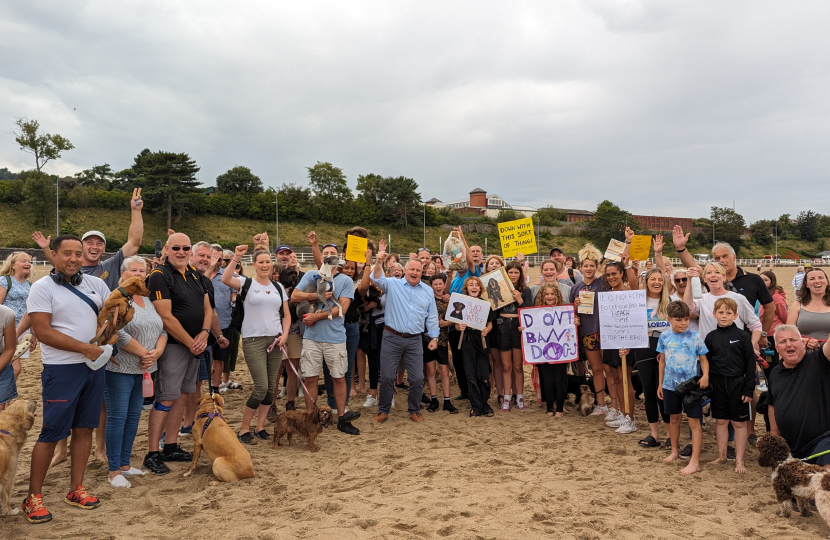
(382, 255)
(40, 240)
(382, 245)
(261, 239)
(629, 234)
(658, 243)
(215, 258)
(368, 256)
(135, 202)
(241, 250)
(679, 238)
(520, 256)
(312, 237)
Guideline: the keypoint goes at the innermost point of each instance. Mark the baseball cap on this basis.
(94, 233)
(283, 247)
(556, 249)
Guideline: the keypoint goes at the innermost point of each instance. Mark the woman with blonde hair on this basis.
(493, 263)
(14, 291)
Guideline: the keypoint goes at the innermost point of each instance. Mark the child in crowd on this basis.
(440, 355)
(680, 349)
(732, 375)
(475, 355)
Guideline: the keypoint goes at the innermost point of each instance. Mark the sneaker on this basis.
(628, 426)
(177, 454)
(334, 412)
(730, 454)
(433, 405)
(425, 399)
(350, 416)
(154, 463)
(246, 438)
(686, 453)
(186, 431)
(505, 406)
(134, 472)
(82, 499)
(762, 387)
(448, 406)
(618, 421)
(600, 411)
(370, 402)
(34, 510)
(613, 414)
(520, 404)
(119, 481)
(147, 407)
(347, 428)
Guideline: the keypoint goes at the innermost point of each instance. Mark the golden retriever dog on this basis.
(15, 423)
(120, 300)
(229, 459)
(308, 424)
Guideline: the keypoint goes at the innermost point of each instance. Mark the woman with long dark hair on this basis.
(811, 310)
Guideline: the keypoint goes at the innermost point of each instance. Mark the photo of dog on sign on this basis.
(468, 310)
(498, 290)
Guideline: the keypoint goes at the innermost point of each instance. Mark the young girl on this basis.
(475, 354)
(493, 263)
(510, 338)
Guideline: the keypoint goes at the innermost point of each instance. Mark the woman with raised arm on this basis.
(811, 310)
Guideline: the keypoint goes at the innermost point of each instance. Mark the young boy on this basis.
(732, 367)
(680, 349)
(441, 354)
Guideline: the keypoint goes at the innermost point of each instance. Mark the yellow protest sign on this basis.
(640, 246)
(356, 248)
(517, 236)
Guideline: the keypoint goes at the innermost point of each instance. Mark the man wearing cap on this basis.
(94, 244)
(568, 276)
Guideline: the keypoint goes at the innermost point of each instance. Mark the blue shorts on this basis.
(8, 387)
(72, 397)
(205, 365)
(673, 404)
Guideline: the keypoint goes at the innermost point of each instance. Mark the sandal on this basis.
(649, 442)
(263, 435)
(246, 438)
(233, 385)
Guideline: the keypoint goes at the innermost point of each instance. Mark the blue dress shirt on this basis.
(409, 309)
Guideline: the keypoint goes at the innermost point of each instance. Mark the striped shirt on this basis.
(145, 328)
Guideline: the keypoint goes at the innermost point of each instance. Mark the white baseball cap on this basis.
(94, 233)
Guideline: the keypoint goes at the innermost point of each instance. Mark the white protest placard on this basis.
(623, 320)
(549, 334)
(467, 310)
(615, 250)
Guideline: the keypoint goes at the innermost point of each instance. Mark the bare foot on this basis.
(560, 415)
(691, 468)
(550, 414)
(739, 468)
(672, 457)
(59, 457)
(721, 459)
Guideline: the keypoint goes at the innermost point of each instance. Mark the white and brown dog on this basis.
(792, 478)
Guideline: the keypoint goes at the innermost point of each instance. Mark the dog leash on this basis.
(302, 379)
(816, 455)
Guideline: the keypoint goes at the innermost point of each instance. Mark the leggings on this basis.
(553, 379)
(650, 377)
(263, 366)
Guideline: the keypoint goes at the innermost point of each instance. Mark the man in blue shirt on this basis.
(325, 340)
(410, 310)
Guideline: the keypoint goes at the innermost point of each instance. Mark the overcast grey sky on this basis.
(665, 108)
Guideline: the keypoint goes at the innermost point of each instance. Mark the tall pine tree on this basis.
(169, 179)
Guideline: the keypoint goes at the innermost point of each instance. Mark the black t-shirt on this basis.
(731, 355)
(353, 313)
(752, 287)
(187, 296)
(801, 397)
(509, 309)
(208, 285)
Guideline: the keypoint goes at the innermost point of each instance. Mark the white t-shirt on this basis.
(70, 315)
(655, 322)
(706, 307)
(262, 309)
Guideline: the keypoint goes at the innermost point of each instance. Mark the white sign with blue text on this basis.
(623, 320)
(549, 335)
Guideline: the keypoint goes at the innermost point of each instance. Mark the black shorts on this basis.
(612, 358)
(509, 337)
(440, 355)
(673, 404)
(726, 397)
(220, 354)
(492, 339)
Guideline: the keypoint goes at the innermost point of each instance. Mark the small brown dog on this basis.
(586, 401)
(308, 424)
(120, 299)
(15, 423)
(229, 459)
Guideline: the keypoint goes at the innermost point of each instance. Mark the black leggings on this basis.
(458, 364)
(649, 371)
(374, 367)
(553, 378)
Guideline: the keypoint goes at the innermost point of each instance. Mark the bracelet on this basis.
(627, 242)
(681, 250)
(235, 260)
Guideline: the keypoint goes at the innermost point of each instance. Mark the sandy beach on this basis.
(517, 475)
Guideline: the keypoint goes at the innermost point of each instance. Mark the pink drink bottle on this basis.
(147, 385)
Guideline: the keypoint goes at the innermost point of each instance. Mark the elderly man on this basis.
(799, 394)
(410, 310)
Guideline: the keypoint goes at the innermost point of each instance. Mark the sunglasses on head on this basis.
(681, 280)
(424, 249)
(330, 245)
(180, 248)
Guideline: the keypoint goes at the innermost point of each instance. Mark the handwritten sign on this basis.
(615, 250)
(640, 247)
(586, 302)
(549, 335)
(467, 310)
(623, 320)
(517, 236)
(356, 248)
(498, 289)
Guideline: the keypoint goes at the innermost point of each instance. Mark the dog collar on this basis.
(4, 432)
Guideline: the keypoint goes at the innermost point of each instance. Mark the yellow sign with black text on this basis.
(517, 237)
(356, 248)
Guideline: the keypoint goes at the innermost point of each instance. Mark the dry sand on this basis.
(517, 475)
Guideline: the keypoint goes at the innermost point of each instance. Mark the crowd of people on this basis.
(385, 323)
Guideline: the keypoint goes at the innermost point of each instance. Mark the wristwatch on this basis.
(206, 330)
(763, 334)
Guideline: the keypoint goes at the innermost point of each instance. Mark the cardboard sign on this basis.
(623, 320)
(356, 248)
(615, 250)
(498, 289)
(467, 310)
(586, 302)
(549, 335)
(640, 247)
(517, 236)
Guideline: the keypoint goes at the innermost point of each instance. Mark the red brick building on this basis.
(658, 223)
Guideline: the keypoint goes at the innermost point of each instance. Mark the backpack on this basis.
(572, 275)
(238, 312)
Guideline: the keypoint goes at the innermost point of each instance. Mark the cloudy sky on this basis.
(665, 108)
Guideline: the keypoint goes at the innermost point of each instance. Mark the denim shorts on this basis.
(8, 387)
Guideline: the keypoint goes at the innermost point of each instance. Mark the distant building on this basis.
(657, 223)
(481, 204)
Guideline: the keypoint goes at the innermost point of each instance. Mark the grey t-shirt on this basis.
(6, 318)
(109, 271)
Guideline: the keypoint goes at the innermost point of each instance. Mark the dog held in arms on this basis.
(120, 300)
(229, 460)
(300, 422)
(322, 283)
(792, 478)
(15, 423)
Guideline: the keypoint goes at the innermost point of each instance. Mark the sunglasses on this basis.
(681, 280)
(180, 248)
(330, 245)
(424, 249)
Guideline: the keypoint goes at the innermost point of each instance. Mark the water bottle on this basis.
(697, 289)
(147, 389)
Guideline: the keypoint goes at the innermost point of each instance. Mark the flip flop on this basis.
(649, 442)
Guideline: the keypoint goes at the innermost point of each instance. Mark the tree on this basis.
(762, 231)
(44, 146)
(126, 180)
(239, 181)
(702, 222)
(550, 216)
(402, 205)
(39, 195)
(786, 227)
(611, 222)
(729, 225)
(808, 225)
(370, 188)
(6, 174)
(331, 193)
(507, 214)
(295, 202)
(169, 181)
(99, 176)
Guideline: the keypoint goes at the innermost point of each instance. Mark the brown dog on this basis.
(308, 424)
(120, 300)
(229, 459)
(15, 423)
(586, 402)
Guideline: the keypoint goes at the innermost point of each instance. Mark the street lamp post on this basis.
(277, 205)
(57, 208)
